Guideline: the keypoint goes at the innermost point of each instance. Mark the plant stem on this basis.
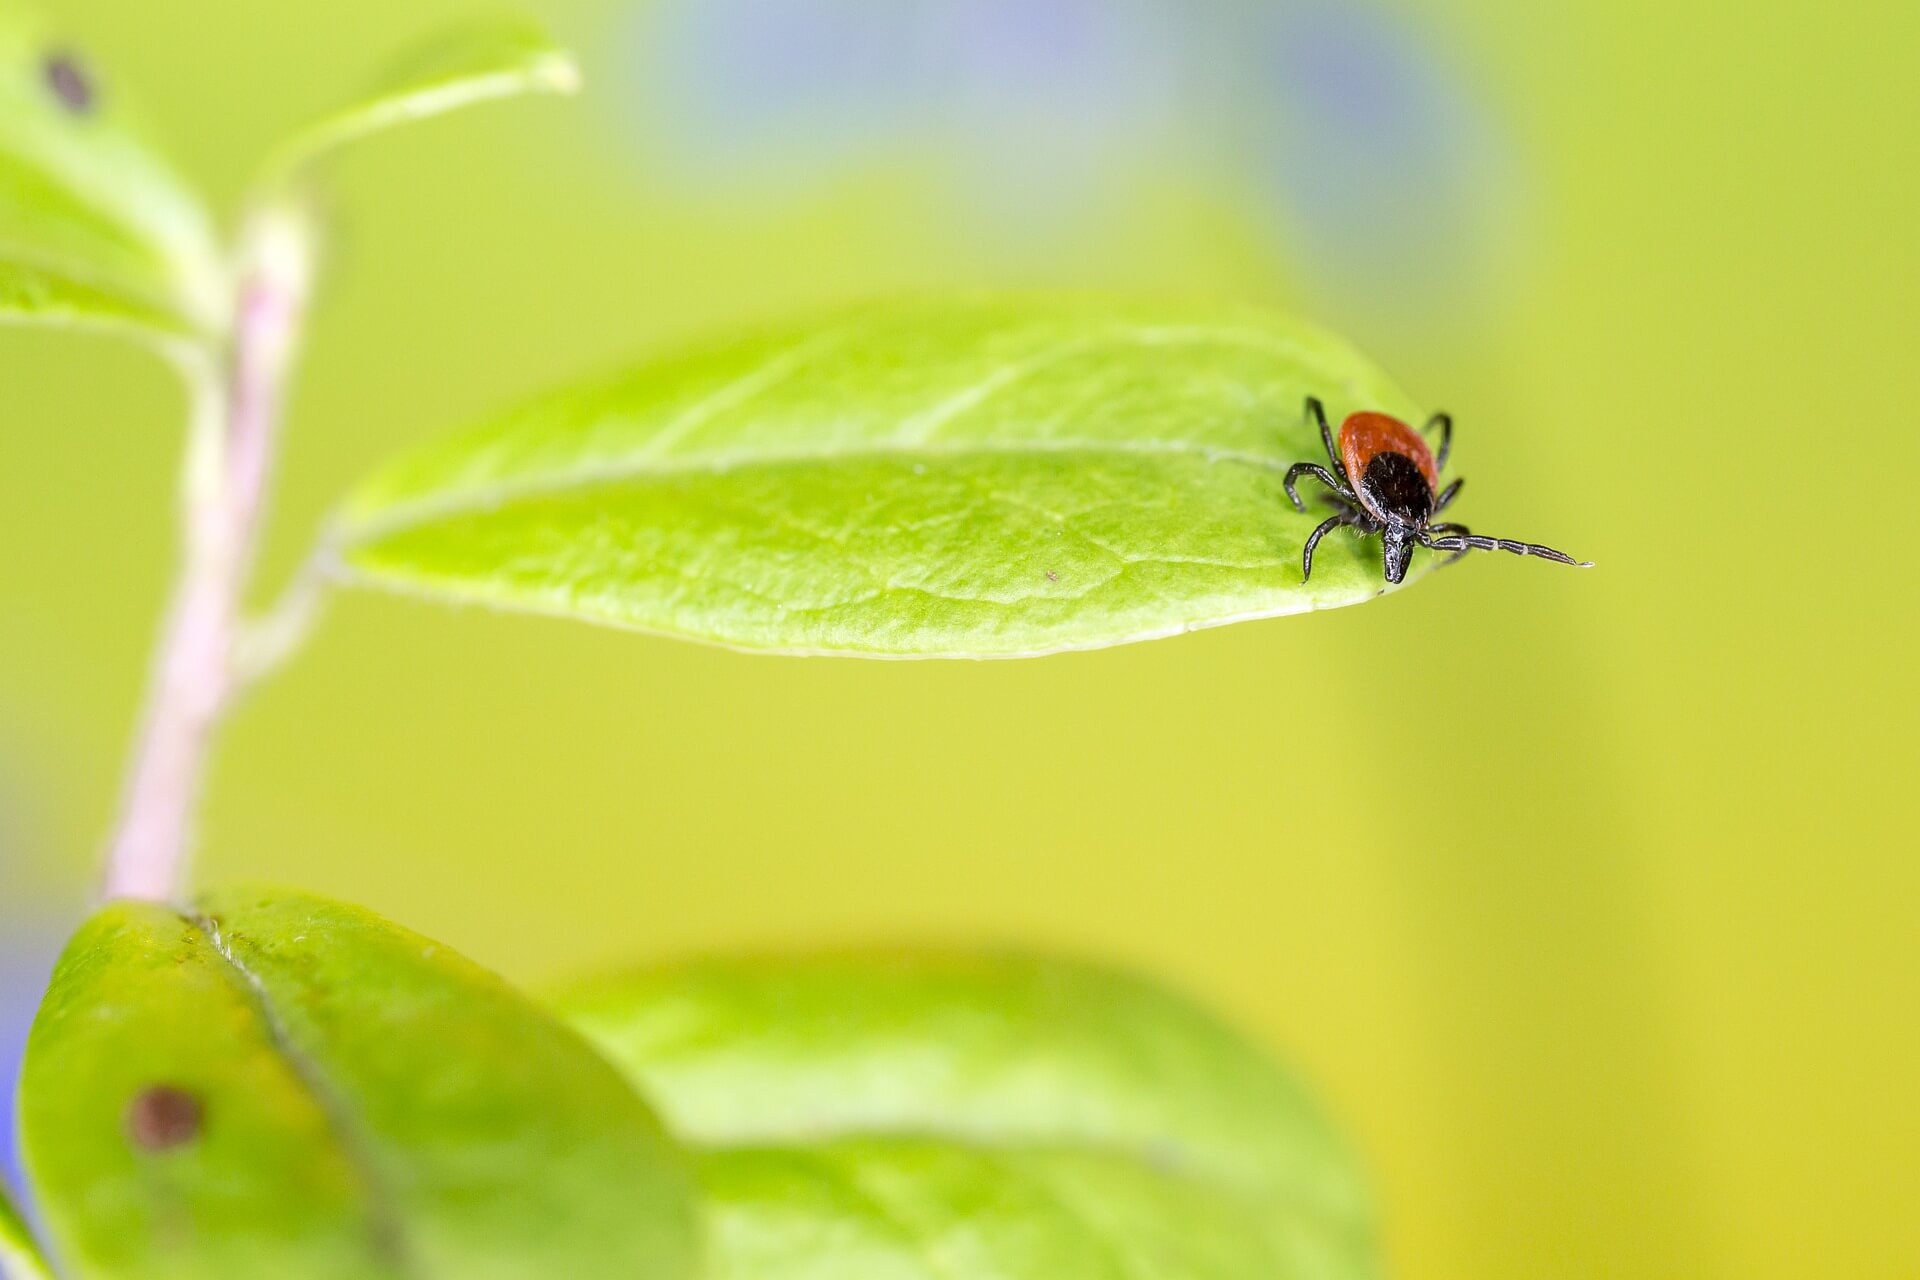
(236, 413)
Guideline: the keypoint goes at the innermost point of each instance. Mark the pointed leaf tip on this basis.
(452, 70)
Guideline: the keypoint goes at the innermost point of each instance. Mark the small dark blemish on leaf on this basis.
(68, 79)
(71, 82)
(162, 1117)
(1052, 576)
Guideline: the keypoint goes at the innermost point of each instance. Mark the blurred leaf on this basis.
(84, 198)
(289, 1087)
(907, 1115)
(993, 1047)
(33, 295)
(974, 477)
(914, 1208)
(19, 1256)
(455, 69)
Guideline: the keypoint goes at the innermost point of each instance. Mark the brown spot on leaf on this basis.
(162, 1117)
(1052, 576)
(70, 83)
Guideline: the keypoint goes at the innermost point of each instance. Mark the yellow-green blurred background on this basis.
(1589, 900)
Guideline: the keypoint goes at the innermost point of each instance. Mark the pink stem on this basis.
(195, 676)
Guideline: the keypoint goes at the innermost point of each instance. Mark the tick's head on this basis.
(1397, 543)
(1396, 492)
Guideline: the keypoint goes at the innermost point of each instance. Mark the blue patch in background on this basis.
(1343, 127)
(777, 92)
(1391, 179)
(796, 93)
(26, 958)
(31, 934)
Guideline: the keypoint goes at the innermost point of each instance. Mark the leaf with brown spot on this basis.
(281, 1085)
(86, 201)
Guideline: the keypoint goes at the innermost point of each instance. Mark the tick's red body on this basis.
(1386, 481)
(1365, 435)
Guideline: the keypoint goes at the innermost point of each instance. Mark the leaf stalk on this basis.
(237, 394)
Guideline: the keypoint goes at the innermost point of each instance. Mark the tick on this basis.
(1383, 481)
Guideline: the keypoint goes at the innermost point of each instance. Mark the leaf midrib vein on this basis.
(387, 1232)
(1124, 1260)
(476, 499)
(919, 1242)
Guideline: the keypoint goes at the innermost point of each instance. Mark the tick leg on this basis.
(1447, 495)
(1464, 542)
(1458, 529)
(1317, 414)
(1313, 540)
(1318, 472)
(1444, 421)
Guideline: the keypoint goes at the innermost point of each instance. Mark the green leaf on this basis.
(924, 1209)
(34, 295)
(19, 1256)
(455, 69)
(975, 477)
(286, 1086)
(84, 198)
(942, 1115)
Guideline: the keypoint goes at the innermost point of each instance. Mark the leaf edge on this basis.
(552, 69)
(21, 1255)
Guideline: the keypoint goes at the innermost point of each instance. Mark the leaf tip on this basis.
(558, 71)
